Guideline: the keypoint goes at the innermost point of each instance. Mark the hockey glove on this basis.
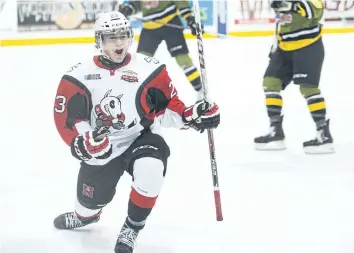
(126, 9)
(193, 25)
(283, 6)
(202, 115)
(93, 144)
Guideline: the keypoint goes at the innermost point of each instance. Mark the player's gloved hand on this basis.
(126, 9)
(283, 6)
(193, 25)
(93, 144)
(202, 115)
(273, 49)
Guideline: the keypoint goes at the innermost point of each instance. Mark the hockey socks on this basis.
(193, 77)
(191, 71)
(317, 107)
(274, 103)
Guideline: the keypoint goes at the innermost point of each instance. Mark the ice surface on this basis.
(273, 202)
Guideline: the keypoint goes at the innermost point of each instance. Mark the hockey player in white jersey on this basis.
(109, 109)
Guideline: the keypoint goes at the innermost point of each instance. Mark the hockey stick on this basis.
(219, 216)
(180, 27)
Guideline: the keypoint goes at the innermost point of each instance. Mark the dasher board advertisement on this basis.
(59, 15)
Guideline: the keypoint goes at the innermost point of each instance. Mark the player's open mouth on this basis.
(119, 51)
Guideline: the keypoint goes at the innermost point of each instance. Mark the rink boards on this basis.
(62, 22)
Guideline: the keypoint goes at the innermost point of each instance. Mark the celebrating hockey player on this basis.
(298, 58)
(155, 15)
(109, 109)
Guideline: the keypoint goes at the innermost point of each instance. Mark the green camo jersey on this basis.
(301, 28)
(156, 13)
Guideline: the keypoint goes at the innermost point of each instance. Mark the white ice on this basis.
(273, 202)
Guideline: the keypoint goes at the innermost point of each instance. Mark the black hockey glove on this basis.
(126, 9)
(92, 144)
(193, 25)
(283, 6)
(202, 115)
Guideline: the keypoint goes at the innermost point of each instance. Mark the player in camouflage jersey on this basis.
(157, 13)
(298, 58)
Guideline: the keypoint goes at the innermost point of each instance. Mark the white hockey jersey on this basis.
(125, 99)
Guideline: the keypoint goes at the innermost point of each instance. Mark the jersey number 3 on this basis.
(60, 104)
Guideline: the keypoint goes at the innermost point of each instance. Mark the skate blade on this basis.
(321, 149)
(271, 146)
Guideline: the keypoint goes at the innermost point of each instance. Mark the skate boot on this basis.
(274, 140)
(323, 143)
(71, 221)
(126, 239)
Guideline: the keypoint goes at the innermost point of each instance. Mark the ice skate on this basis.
(274, 140)
(71, 220)
(323, 143)
(126, 239)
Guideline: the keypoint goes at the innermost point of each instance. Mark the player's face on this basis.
(116, 46)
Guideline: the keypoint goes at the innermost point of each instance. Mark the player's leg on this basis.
(177, 46)
(147, 161)
(95, 189)
(149, 41)
(277, 76)
(307, 73)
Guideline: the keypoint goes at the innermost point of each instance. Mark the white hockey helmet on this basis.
(112, 23)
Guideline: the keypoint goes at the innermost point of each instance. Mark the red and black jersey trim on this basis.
(150, 100)
(79, 106)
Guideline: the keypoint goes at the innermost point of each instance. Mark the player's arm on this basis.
(186, 13)
(161, 97)
(129, 8)
(311, 9)
(72, 109)
(184, 8)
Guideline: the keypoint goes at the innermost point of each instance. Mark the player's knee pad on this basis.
(272, 84)
(307, 91)
(150, 146)
(148, 176)
(184, 60)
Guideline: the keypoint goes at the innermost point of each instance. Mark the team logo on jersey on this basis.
(108, 113)
(130, 76)
(87, 190)
(286, 19)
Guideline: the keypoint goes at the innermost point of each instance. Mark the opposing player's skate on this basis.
(274, 140)
(126, 239)
(71, 220)
(323, 143)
